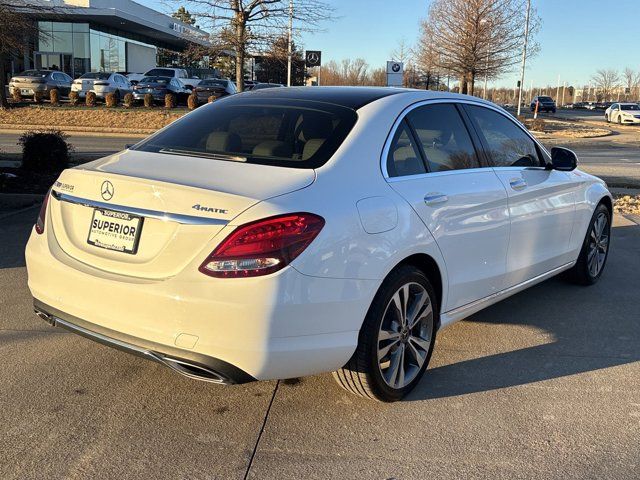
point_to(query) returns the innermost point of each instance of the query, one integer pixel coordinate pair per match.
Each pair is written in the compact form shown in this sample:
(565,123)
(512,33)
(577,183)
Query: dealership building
(79,36)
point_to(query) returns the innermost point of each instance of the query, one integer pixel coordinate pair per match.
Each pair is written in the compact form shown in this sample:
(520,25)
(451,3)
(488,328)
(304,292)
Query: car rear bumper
(282,325)
(189,364)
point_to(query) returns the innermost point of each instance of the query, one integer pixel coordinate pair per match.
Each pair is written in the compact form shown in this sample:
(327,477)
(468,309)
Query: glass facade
(78,48)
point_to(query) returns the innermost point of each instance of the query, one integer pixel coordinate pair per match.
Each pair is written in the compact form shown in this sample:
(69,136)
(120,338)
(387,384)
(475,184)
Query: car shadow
(14,232)
(581,329)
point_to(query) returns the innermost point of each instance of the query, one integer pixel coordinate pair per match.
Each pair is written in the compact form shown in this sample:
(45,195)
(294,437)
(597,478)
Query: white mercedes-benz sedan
(292,231)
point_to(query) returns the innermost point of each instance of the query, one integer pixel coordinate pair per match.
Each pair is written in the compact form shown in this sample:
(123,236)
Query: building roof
(127,16)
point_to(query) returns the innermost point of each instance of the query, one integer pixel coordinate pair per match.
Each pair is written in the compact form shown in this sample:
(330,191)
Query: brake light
(101,84)
(43,214)
(263,247)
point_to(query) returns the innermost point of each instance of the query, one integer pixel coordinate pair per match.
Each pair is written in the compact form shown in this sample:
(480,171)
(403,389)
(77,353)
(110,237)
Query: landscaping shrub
(45,151)
(170,100)
(74,98)
(111,100)
(90,99)
(128,100)
(16,95)
(211,99)
(148,100)
(54,96)
(192,101)
(38,97)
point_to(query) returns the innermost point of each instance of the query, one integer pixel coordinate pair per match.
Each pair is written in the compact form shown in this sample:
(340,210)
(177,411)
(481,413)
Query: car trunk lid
(183,202)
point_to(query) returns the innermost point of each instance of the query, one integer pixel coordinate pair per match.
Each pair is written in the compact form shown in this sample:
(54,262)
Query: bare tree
(245,24)
(472,38)
(16,29)
(606,81)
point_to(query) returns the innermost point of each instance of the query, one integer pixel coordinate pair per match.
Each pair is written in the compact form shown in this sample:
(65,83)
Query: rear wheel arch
(427,265)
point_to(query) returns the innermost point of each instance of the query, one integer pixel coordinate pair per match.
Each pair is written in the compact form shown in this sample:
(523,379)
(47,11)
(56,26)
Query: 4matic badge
(202,208)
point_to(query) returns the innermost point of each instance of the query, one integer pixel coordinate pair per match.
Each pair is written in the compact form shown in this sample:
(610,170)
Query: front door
(433,164)
(541,201)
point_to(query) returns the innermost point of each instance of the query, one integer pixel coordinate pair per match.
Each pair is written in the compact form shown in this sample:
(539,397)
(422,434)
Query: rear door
(541,201)
(433,163)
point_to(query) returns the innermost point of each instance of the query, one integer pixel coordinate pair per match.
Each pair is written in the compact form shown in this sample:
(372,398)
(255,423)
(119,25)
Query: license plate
(26,91)
(117,231)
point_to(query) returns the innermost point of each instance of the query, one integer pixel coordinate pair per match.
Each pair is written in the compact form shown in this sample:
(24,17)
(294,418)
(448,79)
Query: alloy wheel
(405,335)
(598,244)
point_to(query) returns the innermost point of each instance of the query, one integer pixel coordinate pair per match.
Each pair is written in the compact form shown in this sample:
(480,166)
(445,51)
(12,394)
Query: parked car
(178,73)
(158,87)
(590,105)
(289,232)
(249,84)
(628,113)
(546,104)
(31,81)
(216,87)
(580,105)
(260,86)
(102,83)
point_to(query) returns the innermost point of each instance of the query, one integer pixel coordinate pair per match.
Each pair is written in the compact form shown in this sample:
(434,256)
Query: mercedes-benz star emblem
(312,57)
(107,190)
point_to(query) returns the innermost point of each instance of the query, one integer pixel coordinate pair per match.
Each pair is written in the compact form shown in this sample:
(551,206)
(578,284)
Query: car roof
(352,97)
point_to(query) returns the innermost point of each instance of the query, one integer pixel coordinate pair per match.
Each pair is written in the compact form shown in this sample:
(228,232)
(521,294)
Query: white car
(623,113)
(102,83)
(292,231)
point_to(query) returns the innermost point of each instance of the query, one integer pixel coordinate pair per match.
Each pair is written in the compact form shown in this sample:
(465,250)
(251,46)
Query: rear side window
(508,145)
(289,133)
(444,138)
(404,157)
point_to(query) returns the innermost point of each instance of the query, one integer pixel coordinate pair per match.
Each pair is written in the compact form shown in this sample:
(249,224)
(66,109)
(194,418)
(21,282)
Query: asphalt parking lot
(543,385)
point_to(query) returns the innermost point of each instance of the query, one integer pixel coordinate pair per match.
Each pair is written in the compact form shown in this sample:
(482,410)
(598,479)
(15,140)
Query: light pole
(289,43)
(524,55)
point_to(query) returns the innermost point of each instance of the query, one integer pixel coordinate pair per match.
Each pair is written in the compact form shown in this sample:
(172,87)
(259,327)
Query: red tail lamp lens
(263,247)
(43,214)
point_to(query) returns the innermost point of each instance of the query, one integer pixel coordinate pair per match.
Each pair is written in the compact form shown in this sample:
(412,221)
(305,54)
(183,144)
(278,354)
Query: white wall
(140,58)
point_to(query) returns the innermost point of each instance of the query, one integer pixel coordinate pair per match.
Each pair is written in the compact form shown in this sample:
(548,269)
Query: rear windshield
(97,75)
(214,83)
(34,73)
(163,72)
(288,133)
(630,107)
(545,99)
(161,80)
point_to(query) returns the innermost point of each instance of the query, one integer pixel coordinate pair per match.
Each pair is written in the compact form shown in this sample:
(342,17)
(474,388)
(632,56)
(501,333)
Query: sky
(577,37)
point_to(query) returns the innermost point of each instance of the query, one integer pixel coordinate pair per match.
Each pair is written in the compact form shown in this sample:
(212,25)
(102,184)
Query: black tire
(619,119)
(581,273)
(362,375)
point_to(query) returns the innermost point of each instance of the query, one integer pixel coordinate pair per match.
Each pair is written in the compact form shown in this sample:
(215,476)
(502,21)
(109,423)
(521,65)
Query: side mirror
(563,159)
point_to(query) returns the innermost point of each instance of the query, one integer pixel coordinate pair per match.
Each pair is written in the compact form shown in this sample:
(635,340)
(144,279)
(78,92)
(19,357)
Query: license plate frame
(117,218)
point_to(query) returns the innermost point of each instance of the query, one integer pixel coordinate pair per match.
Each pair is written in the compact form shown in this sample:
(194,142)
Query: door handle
(518,183)
(435,198)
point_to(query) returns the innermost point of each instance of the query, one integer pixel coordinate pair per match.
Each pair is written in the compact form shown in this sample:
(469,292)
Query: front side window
(404,157)
(288,133)
(444,138)
(507,144)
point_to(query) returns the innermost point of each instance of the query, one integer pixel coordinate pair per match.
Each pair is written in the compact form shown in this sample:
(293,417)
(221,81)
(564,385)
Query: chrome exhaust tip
(46,317)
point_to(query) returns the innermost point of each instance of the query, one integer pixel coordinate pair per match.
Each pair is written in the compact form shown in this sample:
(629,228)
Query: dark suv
(545,103)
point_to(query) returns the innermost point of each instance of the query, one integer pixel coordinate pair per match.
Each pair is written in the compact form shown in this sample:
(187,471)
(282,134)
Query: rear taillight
(43,214)
(101,84)
(263,247)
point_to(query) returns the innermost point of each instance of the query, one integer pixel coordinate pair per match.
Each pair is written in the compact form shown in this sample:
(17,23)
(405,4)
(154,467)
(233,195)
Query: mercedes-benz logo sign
(395,67)
(312,57)
(106,190)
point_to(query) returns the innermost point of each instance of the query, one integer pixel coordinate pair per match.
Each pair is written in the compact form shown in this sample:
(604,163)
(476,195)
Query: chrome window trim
(142,212)
(453,100)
